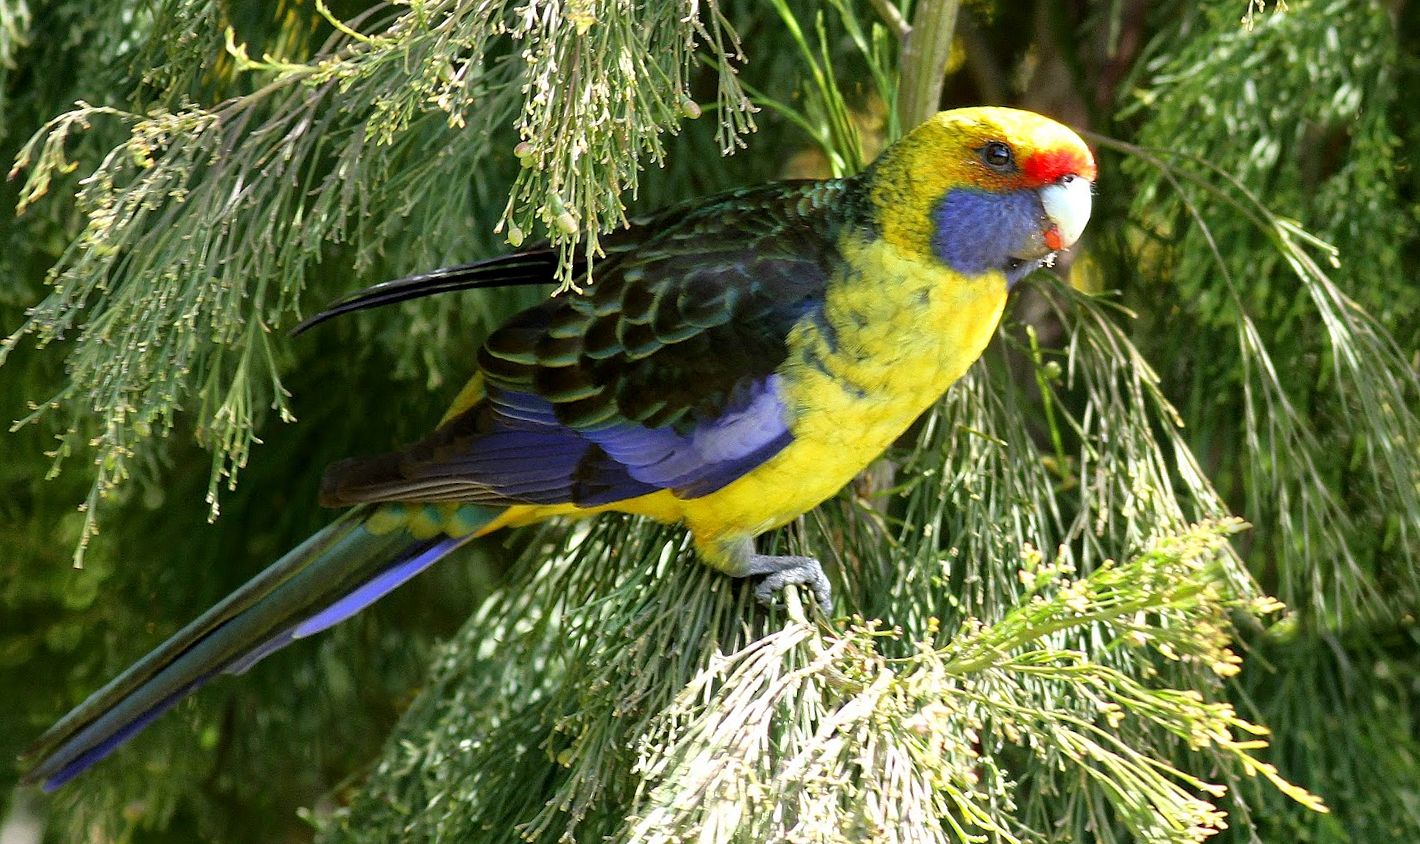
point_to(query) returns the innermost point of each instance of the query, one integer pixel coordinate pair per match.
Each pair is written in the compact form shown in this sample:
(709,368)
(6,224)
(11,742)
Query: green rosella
(734,362)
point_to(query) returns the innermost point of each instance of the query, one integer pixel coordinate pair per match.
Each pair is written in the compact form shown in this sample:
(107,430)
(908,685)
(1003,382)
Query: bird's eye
(997,156)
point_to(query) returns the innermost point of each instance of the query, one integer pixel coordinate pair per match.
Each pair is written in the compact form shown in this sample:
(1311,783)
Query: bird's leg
(777,572)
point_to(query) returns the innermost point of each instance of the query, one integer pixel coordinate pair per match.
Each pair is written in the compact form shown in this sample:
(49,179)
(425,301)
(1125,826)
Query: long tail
(334,574)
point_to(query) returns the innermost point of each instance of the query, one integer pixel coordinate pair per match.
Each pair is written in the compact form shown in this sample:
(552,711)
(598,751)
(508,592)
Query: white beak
(1067,204)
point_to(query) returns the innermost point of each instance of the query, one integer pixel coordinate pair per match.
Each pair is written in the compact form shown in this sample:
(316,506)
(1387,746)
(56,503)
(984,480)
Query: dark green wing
(660,376)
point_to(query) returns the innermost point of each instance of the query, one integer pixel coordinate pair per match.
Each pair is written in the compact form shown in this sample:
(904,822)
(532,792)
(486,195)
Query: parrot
(735,361)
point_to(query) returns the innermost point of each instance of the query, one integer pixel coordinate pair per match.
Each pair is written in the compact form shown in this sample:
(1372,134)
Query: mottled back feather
(659,376)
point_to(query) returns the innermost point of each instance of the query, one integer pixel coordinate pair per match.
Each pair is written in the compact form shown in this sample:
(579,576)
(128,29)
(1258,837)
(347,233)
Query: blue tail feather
(87,758)
(375,588)
(336,573)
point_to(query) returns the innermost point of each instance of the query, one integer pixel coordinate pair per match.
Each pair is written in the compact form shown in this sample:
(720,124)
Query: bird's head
(984,189)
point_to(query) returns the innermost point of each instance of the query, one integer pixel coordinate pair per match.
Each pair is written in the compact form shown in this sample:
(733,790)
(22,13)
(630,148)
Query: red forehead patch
(1045,167)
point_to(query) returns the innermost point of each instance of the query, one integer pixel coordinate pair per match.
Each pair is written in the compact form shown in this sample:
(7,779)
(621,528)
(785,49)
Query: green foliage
(1057,632)
(1306,406)
(634,703)
(200,225)
(826,115)
(1304,371)
(1363,692)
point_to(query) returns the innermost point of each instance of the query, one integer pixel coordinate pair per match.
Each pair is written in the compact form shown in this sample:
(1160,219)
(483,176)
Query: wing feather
(532,266)
(661,376)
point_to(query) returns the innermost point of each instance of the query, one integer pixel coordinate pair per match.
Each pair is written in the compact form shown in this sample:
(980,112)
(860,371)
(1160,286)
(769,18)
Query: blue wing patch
(712,453)
(513,449)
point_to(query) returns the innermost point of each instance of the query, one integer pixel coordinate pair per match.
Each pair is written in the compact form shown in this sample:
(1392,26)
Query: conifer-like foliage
(1057,625)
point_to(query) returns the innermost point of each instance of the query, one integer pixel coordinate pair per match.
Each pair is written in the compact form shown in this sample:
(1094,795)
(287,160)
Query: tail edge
(333,575)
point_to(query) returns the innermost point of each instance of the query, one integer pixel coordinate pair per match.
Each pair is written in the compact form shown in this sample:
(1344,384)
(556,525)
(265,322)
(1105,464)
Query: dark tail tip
(356,480)
(87,746)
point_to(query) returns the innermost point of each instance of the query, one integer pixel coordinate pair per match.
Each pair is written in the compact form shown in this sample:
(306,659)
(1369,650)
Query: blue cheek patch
(975,231)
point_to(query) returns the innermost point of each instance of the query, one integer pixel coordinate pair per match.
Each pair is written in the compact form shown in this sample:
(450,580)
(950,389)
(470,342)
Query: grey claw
(792,571)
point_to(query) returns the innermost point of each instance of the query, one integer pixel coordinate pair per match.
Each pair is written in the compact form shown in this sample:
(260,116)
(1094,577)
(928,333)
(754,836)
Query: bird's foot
(779,572)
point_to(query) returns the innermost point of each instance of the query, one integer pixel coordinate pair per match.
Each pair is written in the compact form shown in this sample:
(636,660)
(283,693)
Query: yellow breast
(897,332)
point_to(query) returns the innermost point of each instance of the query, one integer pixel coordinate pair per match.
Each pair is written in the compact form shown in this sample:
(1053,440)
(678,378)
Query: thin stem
(892,16)
(924,56)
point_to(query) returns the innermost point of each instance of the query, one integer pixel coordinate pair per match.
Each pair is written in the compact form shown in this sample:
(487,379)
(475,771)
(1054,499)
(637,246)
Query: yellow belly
(900,331)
